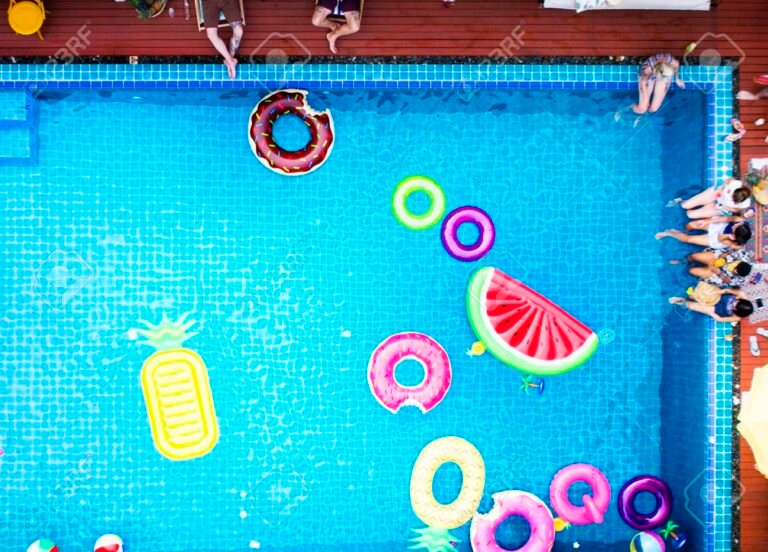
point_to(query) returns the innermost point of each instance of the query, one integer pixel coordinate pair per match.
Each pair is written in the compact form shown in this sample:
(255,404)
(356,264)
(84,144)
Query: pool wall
(700,476)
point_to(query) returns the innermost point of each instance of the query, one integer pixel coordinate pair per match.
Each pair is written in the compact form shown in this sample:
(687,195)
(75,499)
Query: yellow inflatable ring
(434,455)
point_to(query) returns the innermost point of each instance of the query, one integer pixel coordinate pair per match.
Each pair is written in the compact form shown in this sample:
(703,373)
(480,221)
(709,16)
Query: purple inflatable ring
(626,502)
(450,233)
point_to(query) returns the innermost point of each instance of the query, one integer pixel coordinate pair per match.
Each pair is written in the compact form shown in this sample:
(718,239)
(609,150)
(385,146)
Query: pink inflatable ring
(414,346)
(514,503)
(595,506)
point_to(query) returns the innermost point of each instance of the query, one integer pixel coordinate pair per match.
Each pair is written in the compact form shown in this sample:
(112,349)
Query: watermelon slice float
(524,329)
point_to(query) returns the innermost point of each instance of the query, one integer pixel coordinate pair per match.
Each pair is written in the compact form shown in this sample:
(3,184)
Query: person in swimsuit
(231,10)
(731,198)
(653,81)
(731,268)
(722,233)
(321,18)
(732,306)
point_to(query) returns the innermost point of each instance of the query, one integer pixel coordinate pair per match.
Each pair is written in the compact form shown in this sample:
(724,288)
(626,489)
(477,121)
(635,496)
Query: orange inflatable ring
(282,161)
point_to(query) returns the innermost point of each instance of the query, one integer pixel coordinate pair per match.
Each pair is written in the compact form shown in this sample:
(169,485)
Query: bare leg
(702,272)
(700,307)
(644,94)
(229,61)
(700,239)
(703,257)
(660,89)
(706,211)
(698,224)
(237,36)
(320,19)
(699,200)
(350,27)
(675,234)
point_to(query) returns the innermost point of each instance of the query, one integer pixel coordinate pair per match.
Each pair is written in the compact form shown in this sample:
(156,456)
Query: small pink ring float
(409,346)
(595,506)
(514,503)
(450,233)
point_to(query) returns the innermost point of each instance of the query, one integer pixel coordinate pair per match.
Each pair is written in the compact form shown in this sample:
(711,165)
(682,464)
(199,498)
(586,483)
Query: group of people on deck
(340,17)
(724,267)
(717,219)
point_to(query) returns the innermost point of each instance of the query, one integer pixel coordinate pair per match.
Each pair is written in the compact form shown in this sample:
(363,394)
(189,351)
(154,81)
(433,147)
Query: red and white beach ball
(108,543)
(43,545)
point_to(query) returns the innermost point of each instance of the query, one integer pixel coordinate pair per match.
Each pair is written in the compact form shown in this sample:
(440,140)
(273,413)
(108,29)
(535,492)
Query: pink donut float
(409,346)
(595,506)
(449,234)
(514,503)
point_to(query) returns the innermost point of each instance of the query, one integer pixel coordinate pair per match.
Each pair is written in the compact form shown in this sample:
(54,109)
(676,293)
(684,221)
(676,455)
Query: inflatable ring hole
(513,532)
(468,234)
(447,482)
(577,491)
(646,503)
(290,132)
(410,372)
(419,203)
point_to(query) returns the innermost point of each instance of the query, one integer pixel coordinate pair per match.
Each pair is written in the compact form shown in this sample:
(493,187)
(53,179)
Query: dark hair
(742,308)
(742,233)
(743,269)
(741,194)
(752,178)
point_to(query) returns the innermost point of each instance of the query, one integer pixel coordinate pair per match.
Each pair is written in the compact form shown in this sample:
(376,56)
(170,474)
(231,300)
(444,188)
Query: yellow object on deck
(26,17)
(753,418)
(179,404)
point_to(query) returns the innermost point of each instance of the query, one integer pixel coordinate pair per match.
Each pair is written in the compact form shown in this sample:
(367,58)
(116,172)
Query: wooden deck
(470,28)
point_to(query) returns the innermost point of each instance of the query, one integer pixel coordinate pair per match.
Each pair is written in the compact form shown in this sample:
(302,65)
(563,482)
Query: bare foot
(665,234)
(231,68)
(332,42)
(675,262)
(677,300)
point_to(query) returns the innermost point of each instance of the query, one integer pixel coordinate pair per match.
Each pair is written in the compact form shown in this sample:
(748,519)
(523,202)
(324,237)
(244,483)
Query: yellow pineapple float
(177,392)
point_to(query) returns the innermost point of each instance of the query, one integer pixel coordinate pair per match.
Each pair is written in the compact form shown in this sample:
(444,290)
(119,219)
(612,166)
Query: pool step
(18,129)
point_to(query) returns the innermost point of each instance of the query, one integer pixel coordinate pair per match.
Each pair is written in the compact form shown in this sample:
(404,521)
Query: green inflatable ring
(418,184)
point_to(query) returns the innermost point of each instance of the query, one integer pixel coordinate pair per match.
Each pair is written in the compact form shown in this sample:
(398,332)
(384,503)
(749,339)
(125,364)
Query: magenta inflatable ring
(450,233)
(626,502)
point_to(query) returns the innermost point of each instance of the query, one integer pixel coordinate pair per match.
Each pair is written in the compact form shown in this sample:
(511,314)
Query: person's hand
(680,83)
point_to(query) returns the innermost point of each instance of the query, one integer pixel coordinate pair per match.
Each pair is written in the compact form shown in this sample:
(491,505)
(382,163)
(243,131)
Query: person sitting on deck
(730,268)
(727,305)
(654,79)
(721,233)
(323,17)
(730,198)
(231,10)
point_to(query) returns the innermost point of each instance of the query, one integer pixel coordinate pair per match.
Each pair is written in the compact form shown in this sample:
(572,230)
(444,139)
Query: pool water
(149,202)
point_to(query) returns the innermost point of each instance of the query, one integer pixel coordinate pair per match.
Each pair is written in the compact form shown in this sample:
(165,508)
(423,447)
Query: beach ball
(108,543)
(647,542)
(43,545)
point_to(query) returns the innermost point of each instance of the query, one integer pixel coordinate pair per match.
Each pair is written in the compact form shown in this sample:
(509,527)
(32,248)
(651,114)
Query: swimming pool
(140,197)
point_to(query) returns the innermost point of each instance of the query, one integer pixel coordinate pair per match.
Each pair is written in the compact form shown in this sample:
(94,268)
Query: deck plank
(470,28)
